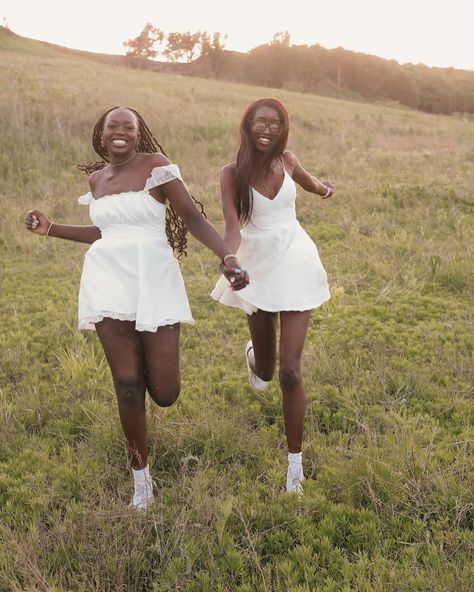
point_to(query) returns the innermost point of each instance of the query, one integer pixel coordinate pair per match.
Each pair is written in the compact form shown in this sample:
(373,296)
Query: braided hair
(176,231)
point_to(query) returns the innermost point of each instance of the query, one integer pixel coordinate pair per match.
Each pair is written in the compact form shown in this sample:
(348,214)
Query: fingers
(31,220)
(242,281)
(36,222)
(237,276)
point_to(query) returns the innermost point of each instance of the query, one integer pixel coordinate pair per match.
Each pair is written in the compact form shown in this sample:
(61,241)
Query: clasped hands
(234,273)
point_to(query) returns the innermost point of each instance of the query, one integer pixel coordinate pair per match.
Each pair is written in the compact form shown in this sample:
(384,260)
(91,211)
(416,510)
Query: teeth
(119,142)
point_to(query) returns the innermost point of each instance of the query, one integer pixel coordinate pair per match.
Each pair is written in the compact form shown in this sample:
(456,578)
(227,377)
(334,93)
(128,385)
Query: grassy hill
(388,502)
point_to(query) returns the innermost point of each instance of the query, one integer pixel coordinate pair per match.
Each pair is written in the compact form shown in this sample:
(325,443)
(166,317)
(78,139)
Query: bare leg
(294,326)
(123,351)
(262,325)
(161,358)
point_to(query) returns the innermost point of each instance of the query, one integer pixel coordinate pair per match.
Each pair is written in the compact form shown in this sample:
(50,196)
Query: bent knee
(266,375)
(164,396)
(290,377)
(129,391)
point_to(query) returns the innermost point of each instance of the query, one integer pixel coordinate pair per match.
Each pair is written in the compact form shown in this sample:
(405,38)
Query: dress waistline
(134,231)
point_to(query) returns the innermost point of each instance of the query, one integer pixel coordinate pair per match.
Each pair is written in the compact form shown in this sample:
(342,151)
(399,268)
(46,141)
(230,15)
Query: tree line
(174,47)
(310,68)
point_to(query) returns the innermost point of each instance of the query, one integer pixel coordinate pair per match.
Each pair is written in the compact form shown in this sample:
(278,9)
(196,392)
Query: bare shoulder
(290,161)
(155,159)
(229,167)
(228,171)
(289,158)
(94,178)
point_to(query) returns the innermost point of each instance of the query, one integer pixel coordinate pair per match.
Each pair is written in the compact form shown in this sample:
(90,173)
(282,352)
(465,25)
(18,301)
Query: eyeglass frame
(252,122)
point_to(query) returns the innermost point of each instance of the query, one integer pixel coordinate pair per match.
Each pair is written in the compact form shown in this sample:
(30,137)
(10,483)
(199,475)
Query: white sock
(295,458)
(141,474)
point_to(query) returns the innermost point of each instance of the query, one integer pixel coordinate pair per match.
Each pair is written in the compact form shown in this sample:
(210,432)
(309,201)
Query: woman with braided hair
(132,292)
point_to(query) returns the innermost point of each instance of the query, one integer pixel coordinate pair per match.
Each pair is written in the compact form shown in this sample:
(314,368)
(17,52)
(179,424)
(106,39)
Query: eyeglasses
(260,126)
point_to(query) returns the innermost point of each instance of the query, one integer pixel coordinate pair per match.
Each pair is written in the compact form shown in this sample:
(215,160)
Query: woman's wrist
(50,225)
(227,257)
(328,190)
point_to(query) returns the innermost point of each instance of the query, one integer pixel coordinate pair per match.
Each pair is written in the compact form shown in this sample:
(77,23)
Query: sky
(432,32)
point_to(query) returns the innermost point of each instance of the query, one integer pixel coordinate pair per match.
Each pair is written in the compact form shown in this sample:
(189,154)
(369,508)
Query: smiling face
(120,132)
(265,128)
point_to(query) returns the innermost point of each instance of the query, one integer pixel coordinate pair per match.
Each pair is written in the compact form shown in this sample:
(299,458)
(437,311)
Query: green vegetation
(388,504)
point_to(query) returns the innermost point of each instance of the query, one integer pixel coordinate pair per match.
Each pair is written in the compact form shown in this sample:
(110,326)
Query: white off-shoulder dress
(131,273)
(286,273)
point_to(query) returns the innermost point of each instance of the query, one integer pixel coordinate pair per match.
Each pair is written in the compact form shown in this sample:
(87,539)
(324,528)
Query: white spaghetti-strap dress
(286,273)
(131,273)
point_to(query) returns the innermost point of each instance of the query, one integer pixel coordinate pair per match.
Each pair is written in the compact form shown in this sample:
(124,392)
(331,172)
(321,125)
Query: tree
(182,46)
(281,38)
(208,46)
(142,48)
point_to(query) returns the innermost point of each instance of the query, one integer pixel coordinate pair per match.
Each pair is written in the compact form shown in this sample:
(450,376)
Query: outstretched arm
(178,195)
(38,223)
(306,180)
(232,235)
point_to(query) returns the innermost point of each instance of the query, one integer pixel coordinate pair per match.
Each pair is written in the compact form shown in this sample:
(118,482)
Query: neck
(261,165)
(122,159)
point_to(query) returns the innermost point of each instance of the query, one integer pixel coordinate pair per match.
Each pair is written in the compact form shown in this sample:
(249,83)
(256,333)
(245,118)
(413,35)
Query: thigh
(263,327)
(161,357)
(123,349)
(293,329)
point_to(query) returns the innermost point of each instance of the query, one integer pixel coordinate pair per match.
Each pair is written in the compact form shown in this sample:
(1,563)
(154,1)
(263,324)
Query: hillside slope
(388,363)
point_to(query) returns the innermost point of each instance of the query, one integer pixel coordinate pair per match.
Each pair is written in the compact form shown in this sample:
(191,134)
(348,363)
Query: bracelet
(49,228)
(329,191)
(229,256)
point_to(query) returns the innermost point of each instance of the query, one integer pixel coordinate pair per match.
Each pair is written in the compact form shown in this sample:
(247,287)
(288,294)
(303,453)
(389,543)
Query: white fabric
(286,273)
(161,175)
(131,273)
(295,458)
(141,474)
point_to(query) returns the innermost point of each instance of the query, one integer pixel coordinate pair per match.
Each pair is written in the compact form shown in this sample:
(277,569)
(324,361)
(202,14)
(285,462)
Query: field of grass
(388,452)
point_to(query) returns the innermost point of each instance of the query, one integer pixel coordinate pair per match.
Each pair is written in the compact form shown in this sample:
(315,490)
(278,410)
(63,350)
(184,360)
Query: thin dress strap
(280,160)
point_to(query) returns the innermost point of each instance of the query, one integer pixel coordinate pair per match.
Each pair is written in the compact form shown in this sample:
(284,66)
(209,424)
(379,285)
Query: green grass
(388,363)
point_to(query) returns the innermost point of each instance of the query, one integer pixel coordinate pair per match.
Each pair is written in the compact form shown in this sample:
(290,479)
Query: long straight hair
(246,154)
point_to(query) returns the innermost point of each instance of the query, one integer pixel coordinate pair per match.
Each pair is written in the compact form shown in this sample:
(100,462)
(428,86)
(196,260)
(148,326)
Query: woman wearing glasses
(288,279)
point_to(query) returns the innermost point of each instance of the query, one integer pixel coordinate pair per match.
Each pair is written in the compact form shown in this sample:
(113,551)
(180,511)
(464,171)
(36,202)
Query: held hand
(37,222)
(235,274)
(331,189)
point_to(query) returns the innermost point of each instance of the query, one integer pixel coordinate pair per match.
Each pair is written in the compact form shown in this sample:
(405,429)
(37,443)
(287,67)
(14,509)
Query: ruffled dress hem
(250,308)
(88,323)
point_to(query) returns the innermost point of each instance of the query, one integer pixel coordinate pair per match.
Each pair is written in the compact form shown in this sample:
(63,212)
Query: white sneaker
(255,381)
(294,476)
(142,496)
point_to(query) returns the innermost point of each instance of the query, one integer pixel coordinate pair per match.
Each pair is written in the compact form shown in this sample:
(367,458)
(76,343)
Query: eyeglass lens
(261,126)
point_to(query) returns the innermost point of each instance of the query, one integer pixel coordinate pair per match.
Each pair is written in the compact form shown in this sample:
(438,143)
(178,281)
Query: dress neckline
(168,172)
(278,192)
(117,194)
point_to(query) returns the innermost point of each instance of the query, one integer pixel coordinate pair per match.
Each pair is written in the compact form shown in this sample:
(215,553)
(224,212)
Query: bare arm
(38,223)
(178,195)
(306,180)
(232,235)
